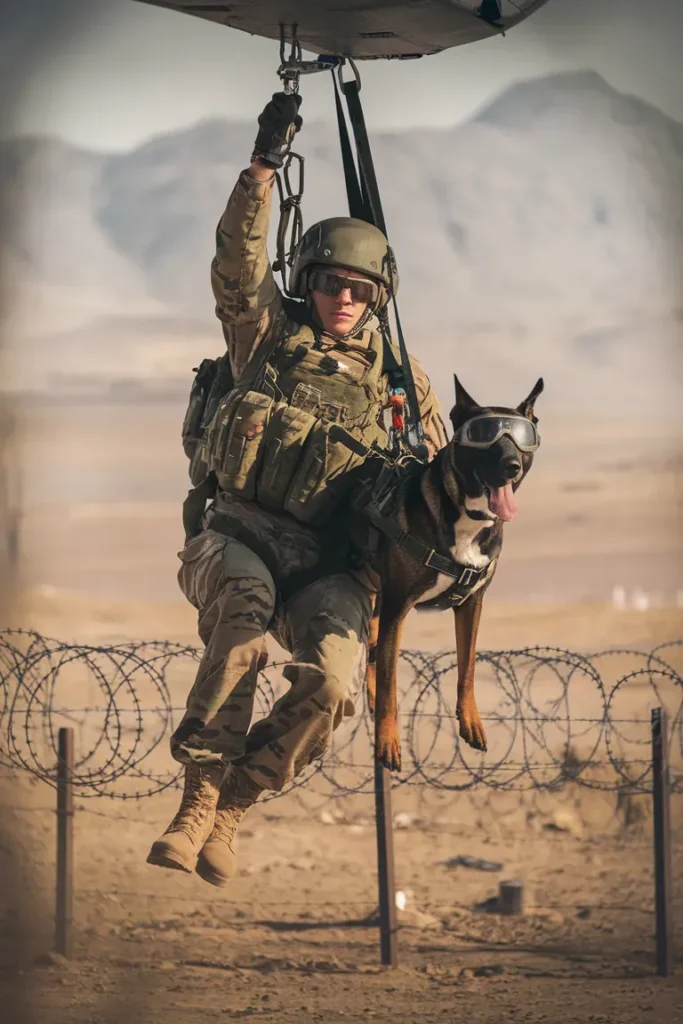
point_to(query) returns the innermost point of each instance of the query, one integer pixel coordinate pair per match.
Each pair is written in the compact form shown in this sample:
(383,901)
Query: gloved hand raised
(278,124)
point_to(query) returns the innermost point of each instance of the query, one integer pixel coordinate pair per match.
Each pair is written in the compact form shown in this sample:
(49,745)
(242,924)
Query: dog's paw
(471,728)
(388,752)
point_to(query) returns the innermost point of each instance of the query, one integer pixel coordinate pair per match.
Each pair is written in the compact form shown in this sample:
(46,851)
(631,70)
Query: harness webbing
(365,203)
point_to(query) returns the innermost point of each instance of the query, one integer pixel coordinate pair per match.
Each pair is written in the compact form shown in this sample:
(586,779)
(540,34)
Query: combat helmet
(346,242)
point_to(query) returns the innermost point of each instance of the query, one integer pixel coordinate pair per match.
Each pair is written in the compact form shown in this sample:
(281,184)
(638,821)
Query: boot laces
(238,794)
(225,824)
(199,800)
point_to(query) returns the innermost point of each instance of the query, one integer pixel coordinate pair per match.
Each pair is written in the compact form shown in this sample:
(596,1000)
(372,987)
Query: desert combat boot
(183,839)
(217,862)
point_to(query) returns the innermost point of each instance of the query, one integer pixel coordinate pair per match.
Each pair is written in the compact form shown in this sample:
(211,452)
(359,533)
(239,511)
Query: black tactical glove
(278,124)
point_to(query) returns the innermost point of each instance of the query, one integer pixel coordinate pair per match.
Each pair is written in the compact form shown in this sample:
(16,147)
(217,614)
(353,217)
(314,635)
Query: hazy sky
(110,73)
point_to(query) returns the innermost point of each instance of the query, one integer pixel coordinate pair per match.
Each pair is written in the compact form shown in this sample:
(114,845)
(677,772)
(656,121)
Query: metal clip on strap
(291,219)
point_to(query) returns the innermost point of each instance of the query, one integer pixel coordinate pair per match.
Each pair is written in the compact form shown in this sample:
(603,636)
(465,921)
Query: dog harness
(376,499)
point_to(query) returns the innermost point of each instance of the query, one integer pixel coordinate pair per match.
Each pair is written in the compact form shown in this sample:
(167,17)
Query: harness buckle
(428,560)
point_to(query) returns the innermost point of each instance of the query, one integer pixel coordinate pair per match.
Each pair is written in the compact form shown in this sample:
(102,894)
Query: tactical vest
(268,439)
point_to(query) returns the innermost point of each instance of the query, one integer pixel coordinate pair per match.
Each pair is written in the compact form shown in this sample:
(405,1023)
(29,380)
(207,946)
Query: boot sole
(167,859)
(210,876)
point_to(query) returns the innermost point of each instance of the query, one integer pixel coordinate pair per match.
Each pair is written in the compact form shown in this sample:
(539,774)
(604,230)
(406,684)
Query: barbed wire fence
(610,722)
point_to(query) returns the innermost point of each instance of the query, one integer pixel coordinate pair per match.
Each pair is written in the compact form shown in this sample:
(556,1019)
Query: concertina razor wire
(552,716)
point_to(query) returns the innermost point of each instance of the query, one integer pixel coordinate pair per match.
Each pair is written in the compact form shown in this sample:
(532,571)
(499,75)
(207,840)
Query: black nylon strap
(382,496)
(357,206)
(421,552)
(371,203)
(368,178)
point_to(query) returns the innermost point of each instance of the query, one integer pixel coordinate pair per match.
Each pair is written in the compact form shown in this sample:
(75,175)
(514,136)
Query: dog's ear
(461,397)
(464,404)
(526,408)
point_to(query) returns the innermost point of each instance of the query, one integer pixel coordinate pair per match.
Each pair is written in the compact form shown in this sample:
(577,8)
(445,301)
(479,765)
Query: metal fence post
(385,867)
(65,826)
(662,840)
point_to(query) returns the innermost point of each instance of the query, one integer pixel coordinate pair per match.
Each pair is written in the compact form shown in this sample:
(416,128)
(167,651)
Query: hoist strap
(368,179)
(357,207)
(365,203)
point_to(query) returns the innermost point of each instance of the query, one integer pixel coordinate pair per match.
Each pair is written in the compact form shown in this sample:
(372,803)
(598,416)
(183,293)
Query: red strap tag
(397,401)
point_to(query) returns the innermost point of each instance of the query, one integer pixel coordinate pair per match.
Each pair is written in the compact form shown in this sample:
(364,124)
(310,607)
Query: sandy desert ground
(295,938)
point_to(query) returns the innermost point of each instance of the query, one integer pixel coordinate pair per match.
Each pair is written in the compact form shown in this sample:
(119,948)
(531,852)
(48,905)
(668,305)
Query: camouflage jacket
(249,306)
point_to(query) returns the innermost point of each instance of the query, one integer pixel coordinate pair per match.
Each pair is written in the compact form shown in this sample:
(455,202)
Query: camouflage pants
(325,627)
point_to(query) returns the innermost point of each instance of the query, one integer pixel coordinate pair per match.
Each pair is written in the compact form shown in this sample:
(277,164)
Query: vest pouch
(286,435)
(235,442)
(213,379)
(199,393)
(218,429)
(322,479)
(223,383)
(198,465)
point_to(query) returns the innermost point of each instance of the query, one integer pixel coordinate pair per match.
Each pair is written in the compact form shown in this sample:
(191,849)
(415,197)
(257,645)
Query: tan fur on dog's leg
(467,618)
(387,733)
(371,670)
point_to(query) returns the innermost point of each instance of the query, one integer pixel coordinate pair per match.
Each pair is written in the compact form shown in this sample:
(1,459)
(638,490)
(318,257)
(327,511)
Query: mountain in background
(543,237)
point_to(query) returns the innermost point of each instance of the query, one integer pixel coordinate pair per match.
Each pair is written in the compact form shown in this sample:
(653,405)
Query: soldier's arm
(434,428)
(248,300)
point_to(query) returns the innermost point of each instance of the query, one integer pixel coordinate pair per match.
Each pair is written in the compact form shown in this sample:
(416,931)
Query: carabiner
(293,66)
(298,195)
(290,68)
(356,73)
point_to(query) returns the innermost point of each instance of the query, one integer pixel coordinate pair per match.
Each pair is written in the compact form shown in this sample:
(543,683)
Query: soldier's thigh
(210,560)
(328,626)
(335,610)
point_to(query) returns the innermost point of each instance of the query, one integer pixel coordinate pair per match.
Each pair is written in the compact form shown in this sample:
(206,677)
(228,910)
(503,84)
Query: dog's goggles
(329,283)
(483,432)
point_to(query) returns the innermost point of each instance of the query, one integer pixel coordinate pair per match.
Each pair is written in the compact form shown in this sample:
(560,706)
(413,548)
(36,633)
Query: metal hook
(354,67)
(292,67)
(289,69)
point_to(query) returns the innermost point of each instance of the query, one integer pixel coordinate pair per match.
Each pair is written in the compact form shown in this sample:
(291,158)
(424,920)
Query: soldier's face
(338,314)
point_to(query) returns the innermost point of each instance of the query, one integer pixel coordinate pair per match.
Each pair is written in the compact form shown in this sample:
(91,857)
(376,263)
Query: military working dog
(438,537)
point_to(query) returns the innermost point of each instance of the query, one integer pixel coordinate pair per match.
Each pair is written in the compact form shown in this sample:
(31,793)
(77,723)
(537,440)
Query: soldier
(264,558)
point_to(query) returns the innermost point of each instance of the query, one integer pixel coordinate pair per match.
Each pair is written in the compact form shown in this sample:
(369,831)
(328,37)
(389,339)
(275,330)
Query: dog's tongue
(503,503)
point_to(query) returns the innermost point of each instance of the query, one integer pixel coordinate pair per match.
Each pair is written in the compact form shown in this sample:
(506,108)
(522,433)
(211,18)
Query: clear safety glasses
(483,432)
(329,283)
